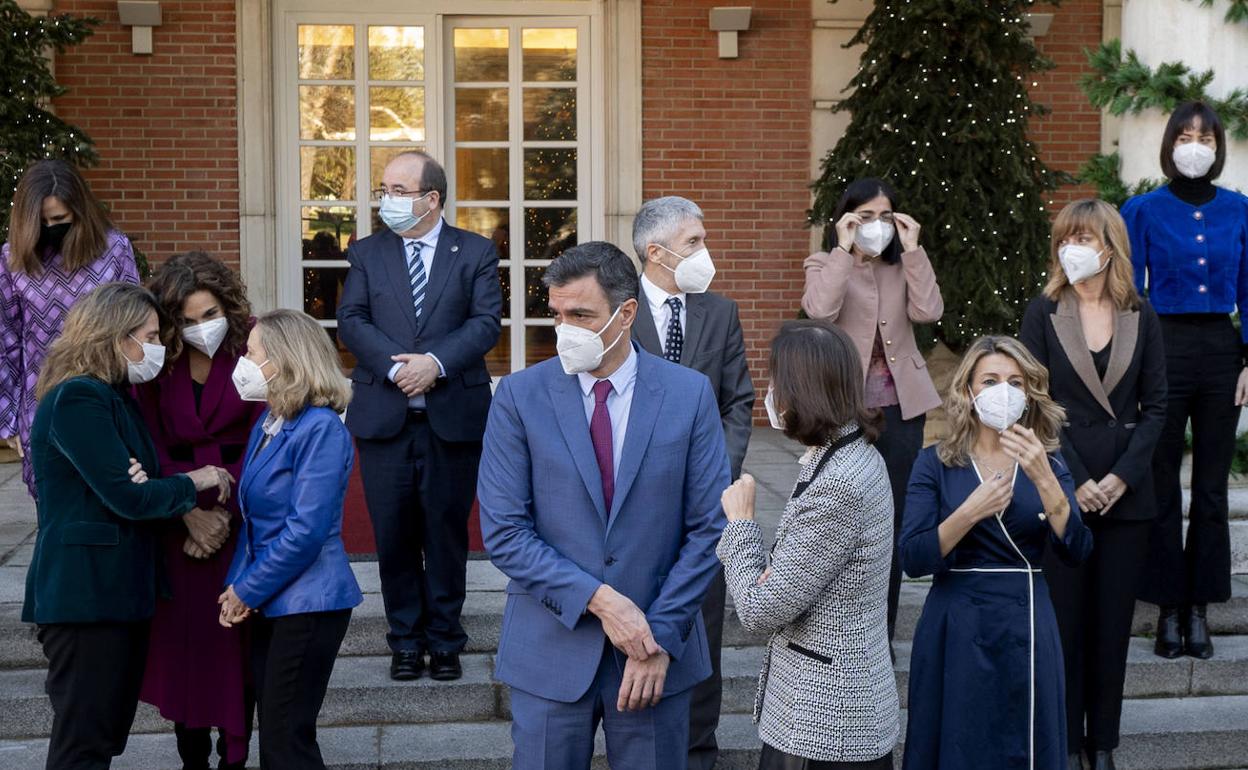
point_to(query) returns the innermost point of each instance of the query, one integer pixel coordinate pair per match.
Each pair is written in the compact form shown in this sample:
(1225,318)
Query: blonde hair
(90,342)
(308,369)
(1043,414)
(1098,218)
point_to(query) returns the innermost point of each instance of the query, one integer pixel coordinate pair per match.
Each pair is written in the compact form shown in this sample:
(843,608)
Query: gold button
(883,323)
(888,342)
(1200,239)
(1198,215)
(892,358)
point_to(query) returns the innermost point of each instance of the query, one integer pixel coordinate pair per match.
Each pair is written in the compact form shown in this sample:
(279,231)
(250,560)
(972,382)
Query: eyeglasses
(887,216)
(397,192)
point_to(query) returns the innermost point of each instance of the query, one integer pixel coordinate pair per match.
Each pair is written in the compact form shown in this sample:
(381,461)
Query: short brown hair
(308,368)
(87,238)
(1095,217)
(818,382)
(183,275)
(1185,116)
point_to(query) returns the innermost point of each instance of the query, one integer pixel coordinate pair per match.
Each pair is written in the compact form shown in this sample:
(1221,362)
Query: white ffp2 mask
(249,380)
(1000,406)
(146,368)
(1080,262)
(874,237)
(581,350)
(206,337)
(1193,160)
(694,273)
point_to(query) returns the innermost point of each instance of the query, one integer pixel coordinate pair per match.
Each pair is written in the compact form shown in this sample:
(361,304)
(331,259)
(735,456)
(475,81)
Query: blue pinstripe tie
(416,274)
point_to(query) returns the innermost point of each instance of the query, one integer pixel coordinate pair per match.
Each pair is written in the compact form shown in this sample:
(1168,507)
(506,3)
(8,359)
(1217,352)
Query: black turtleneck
(1195,192)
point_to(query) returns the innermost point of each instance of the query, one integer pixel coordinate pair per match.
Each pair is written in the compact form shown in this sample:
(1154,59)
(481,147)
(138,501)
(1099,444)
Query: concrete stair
(1183,713)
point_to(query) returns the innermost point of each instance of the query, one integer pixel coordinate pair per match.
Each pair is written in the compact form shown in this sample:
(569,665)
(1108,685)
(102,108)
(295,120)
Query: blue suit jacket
(459,323)
(290,557)
(545,525)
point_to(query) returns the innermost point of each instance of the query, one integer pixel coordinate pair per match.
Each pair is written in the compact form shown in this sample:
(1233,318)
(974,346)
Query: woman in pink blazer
(875,284)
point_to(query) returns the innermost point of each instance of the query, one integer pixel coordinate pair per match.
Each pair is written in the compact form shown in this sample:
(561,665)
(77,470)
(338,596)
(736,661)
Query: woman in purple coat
(195,668)
(60,247)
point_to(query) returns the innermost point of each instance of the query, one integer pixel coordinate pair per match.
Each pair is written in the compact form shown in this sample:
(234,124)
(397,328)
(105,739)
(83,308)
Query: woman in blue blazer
(290,571)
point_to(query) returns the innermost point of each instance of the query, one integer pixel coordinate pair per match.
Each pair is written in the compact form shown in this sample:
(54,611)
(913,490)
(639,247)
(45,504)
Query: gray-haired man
(677,318)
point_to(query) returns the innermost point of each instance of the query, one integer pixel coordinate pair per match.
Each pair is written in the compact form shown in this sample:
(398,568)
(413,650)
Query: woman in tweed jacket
(827,699)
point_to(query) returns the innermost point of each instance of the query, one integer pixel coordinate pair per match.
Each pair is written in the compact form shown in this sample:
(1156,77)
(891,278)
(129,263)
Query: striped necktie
(416,274)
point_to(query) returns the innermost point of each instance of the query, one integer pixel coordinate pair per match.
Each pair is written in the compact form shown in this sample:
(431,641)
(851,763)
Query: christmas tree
(940,108)
(26,85)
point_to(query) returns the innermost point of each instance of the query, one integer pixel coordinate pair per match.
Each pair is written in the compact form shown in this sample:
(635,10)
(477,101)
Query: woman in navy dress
(986,678)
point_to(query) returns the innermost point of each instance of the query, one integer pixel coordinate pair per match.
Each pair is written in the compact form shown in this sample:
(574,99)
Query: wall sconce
(140,16)
(728,22)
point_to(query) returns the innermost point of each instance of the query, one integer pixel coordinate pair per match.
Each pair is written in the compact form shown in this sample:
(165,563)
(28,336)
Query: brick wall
(734,135)
(164,125)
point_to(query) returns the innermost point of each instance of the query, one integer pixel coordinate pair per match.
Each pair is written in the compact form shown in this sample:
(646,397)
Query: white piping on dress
(1031,618)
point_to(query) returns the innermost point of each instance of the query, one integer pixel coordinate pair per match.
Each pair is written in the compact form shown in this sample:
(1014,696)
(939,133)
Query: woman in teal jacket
(92,583)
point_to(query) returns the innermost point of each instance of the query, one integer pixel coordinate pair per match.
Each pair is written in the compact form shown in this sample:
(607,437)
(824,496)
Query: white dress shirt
(430,241)
(661,312)
(619,402)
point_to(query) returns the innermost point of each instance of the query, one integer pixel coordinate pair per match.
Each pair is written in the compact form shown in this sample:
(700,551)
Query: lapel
(1069,331)
(1126,332)
(258,460)
(643,327)
(394,259)
(643,413)
(569,407)
(219,376)
(695,322)
(444,258)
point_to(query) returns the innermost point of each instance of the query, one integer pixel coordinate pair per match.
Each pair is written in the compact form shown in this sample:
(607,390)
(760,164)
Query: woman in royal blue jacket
(1190,240)
(290,569)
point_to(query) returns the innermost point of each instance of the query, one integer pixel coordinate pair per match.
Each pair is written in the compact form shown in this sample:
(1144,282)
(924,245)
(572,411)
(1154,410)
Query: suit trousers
(1094,604)
(95,672)
(292,657)
(707,698)
(899,444)
(549,735)
(1202,368)
(771,758)
(420,491)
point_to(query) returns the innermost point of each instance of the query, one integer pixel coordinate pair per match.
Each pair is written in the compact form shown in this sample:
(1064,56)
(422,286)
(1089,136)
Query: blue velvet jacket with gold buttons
(1195,258)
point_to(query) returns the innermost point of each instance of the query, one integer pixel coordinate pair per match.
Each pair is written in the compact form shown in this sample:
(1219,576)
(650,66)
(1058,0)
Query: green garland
(1128,85)
(1104,172)
(1238,12)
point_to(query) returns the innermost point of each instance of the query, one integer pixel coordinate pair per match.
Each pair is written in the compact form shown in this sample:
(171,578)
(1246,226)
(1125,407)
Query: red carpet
(357,530)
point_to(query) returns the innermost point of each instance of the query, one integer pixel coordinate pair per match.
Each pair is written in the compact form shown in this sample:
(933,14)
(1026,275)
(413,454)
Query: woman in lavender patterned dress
(60,247)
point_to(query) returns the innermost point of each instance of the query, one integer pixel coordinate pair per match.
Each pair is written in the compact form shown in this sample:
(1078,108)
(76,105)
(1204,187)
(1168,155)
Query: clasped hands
(208,529)
(627,628)
(233,609)
(418,373)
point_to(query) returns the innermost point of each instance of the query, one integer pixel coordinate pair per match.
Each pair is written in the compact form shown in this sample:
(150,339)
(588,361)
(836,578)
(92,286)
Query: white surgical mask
(249,380)
(581,350)
(774,417)
(874,237)
(1000,406)
(146,369)
(1193,160)
(397,213)
(694,273)
(1080,262)
(206,337)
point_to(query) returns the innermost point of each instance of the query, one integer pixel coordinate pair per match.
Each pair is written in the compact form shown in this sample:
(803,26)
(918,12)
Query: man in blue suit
(419,310)
(599,491)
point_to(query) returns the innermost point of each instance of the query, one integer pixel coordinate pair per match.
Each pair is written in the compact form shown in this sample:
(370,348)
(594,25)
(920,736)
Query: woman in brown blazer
(875,284)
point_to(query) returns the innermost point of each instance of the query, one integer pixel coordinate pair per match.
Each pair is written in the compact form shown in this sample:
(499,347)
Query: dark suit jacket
(96,552)
(1112,425)
(459,324)
(715,346)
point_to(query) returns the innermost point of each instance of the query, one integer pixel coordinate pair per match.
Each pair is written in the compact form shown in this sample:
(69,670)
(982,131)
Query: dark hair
(818,382)
(1184,117)
(857,193)
(88,236)
(615,272)
(432,175)
(183,275)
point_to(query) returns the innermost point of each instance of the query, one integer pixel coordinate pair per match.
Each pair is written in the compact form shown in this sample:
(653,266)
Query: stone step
(1161,734)
(362,693)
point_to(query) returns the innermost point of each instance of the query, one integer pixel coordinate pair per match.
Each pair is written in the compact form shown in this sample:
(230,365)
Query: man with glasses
(419,311)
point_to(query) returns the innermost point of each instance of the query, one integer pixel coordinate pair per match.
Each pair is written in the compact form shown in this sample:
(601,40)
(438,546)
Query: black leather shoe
(1199,643)
(1103,760)
(406,666)
(1169,636)
(444,666)
(1074,761)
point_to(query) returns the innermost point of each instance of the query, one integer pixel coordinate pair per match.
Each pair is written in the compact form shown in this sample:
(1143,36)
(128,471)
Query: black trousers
(1202,368)
(899,443)
(771,758)
(195,743)
(420,490)
(1094,604)
(95,672)
(292,657)
(708,695)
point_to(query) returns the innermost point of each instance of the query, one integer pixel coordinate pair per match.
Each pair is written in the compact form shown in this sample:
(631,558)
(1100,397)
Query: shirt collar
(657,298)
(430,238)
(621,379)
(272,424)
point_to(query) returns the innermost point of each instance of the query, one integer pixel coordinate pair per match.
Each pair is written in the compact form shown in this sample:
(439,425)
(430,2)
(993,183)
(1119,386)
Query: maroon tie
(600,434)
